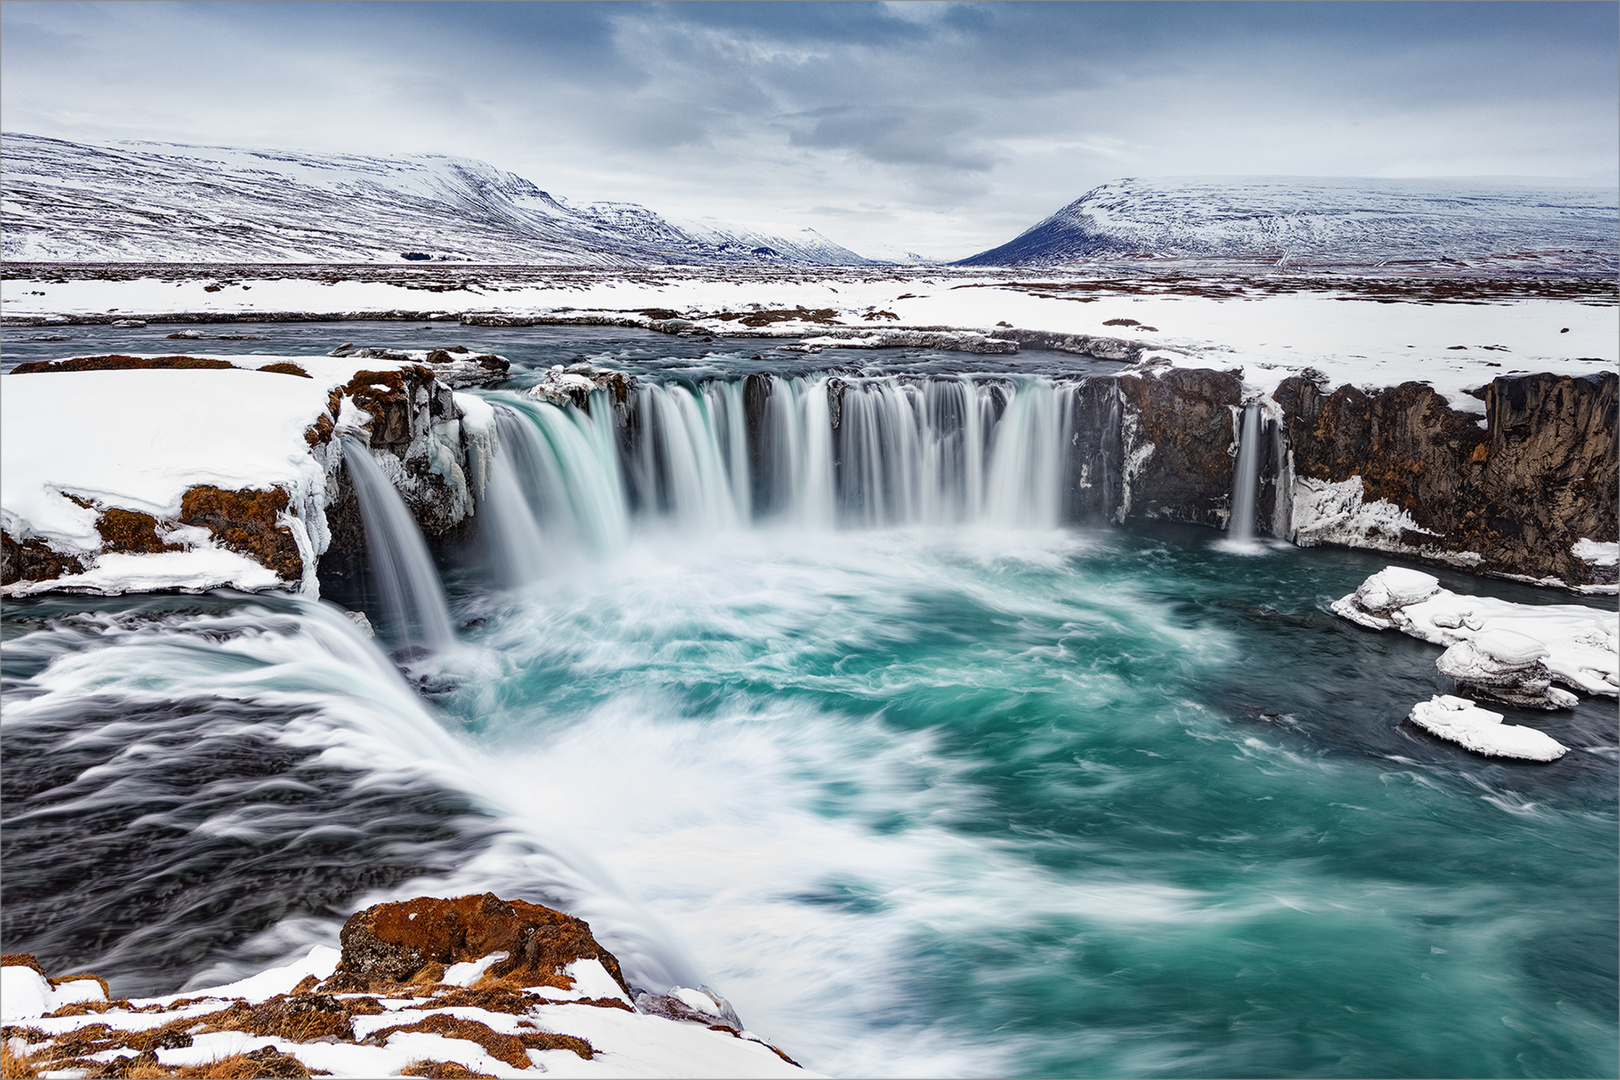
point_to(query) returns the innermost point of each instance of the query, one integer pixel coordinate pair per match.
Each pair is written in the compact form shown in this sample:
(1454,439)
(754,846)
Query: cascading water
(1246,480)
(999,800)
(861,452)
(412,597)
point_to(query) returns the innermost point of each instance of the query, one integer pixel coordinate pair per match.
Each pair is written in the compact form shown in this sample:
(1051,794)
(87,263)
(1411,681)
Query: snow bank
(623,1041)
(1460,721)
(1580,646)
(24,992)
(1218,322)
(97,467)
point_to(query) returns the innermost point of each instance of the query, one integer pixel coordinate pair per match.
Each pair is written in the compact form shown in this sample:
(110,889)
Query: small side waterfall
(412,598)
(1246,481)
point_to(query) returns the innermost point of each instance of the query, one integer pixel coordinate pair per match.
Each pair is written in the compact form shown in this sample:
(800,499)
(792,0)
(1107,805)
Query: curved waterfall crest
(821,451)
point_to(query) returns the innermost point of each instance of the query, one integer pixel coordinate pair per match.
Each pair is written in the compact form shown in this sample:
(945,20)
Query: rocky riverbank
(246,486)
(474,986)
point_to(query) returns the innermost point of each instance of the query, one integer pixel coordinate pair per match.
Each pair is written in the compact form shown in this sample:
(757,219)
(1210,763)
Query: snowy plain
(1347,336)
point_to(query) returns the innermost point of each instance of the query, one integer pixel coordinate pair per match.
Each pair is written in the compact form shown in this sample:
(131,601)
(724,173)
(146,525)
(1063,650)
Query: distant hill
(1327,222)
(164,202)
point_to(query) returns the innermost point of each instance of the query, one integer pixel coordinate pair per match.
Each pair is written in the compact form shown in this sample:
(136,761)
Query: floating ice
(1460,721)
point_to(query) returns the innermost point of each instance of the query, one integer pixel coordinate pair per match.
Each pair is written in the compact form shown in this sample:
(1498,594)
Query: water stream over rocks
(853,723)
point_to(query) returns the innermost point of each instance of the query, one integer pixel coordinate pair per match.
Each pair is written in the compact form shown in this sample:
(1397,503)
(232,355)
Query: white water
(404,573)
(828,452)
(1246,479)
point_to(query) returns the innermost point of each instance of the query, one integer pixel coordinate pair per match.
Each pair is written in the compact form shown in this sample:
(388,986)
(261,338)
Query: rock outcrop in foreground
(468,987)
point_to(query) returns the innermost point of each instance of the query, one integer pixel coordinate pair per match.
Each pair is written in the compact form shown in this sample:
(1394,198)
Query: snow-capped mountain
(165,202)
(1321,221)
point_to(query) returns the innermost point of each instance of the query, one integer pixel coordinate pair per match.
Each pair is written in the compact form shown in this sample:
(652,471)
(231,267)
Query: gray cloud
(964,122)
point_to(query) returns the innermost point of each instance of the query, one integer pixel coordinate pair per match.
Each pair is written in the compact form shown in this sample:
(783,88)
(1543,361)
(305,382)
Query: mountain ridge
(1353,222)
(151,201)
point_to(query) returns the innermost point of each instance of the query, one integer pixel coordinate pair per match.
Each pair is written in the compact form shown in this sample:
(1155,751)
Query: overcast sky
(942,128)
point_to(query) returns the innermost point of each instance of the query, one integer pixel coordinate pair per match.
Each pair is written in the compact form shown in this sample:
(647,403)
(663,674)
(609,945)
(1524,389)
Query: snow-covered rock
(457,367)
(1460,721)
(1505,665)
(132,474)
(1381,595)
(576,383)
(551,1001)
(1508,642)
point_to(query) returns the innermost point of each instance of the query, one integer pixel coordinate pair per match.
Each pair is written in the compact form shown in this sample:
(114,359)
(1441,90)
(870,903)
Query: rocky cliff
(1397,469)
(1529,490)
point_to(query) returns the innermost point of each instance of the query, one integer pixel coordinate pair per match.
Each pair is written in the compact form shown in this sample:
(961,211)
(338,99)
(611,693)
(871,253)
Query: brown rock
(34,560)
(246,522)
(389,944)
(1519,493)
(1186,413)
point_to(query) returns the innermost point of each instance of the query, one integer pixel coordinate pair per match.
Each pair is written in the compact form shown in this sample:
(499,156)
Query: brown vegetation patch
(282,367)
(22,959)
(120,362)
(388,944)
(245,521)
(294,1017)
(1121,322)
(34,560)
(132,531)
(501,999)
(765,318)
(443,1070)
(507,1048)
(15,1066)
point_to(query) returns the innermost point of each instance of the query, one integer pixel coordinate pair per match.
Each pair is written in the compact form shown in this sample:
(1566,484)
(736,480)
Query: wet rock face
(1177,444)
(1095,465)
(414,421)
(1518,494)
(415,940)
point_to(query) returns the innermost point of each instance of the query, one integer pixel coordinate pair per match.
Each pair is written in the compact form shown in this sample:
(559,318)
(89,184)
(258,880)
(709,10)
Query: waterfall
(510,523)
(1246,482)
(818,451)
(412,598)
(567,462)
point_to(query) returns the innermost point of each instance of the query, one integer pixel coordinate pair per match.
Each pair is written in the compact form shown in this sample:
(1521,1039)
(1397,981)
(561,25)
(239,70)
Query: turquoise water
(1062,804)
(948,800)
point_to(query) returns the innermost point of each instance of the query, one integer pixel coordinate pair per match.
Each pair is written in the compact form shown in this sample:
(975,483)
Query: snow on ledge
(75,443)
(1596,552)
(1337,513)
(1582,643)
(626,1042)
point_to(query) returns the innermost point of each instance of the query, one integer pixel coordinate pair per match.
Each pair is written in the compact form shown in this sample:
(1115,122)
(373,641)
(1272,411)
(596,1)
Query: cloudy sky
(943,128)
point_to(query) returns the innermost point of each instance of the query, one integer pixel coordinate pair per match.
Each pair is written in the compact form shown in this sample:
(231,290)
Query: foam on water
(837,719)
